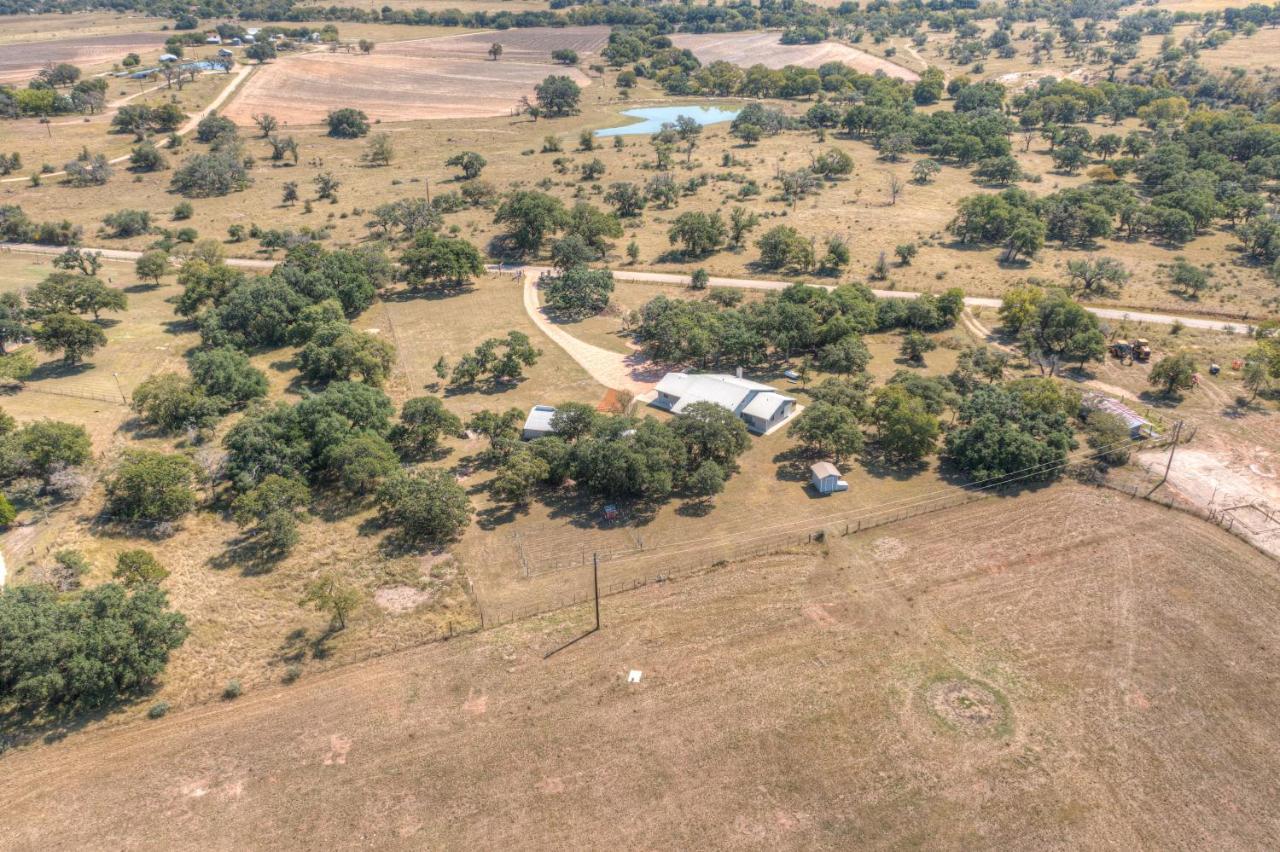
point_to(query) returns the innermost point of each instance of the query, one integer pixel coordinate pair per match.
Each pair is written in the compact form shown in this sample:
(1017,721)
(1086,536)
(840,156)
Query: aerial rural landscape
(548,424)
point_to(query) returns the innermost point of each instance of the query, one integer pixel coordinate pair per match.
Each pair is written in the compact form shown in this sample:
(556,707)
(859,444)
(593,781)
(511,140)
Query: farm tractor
(1128,351)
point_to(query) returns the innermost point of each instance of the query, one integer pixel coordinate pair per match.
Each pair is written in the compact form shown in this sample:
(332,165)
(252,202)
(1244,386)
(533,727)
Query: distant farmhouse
(538,423)
(760,406)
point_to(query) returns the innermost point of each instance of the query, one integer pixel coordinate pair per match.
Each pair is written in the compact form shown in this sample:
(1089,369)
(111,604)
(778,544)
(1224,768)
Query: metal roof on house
(539,419)
(765,405)
(724,390)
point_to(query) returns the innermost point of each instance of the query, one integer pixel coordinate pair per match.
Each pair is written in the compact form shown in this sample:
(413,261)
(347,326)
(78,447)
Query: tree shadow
(1159,399)
(695,508)
(57,370)
(250,555)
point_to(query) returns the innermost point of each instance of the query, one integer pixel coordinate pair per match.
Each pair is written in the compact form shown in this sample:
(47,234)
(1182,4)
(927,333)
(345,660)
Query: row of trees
(801,320)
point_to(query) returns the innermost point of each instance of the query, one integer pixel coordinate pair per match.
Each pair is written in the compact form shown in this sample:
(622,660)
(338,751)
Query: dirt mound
(968,706)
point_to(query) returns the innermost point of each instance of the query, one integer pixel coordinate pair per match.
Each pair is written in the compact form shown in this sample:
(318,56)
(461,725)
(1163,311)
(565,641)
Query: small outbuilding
(825,478)
(168,57)
(1139,426)
(538,423)
(226,53)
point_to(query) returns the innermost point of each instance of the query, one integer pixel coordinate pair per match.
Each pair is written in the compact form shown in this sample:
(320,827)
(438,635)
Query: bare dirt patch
(20,62)
(764,48)
(400,599)
(435,78)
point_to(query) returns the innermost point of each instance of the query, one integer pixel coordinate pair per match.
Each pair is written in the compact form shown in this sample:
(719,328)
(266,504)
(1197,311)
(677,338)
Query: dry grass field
(1072,669)
(751,48)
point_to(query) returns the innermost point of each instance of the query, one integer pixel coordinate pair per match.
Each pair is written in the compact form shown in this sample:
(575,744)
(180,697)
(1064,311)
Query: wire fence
(625,570)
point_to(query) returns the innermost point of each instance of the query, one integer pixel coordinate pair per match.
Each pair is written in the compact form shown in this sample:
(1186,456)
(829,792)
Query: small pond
(652,119)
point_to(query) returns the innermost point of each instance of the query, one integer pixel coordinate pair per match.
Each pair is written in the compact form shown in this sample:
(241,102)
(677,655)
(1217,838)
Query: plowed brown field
(764,48)
(20,62)
(450,77)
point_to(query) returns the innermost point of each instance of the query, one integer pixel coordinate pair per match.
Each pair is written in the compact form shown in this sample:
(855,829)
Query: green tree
(14,327)
(425,506)
(423,420)
(706,481)
(85,651)
(152,487)
(1174,373)
(827,429)
(137,567)
(578,292)
(699,234)
(331,596)
(711,432)
(7,513)
(153,265)
(558,96)
(347,123)
(338,352)
(627,199)
(905,430)
(783,246)
(915,345)
(41,448)
(517,475)
(530,216)
(1101,276)
(1062,330)
(361,462)
(74,337)
(1108,436)
(227,375)
(171,403)
(471,163)
(271,511)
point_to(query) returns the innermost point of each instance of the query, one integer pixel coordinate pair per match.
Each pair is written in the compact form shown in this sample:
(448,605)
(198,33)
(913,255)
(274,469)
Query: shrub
(347,123)
(158,710)
(135,567)
(232,690)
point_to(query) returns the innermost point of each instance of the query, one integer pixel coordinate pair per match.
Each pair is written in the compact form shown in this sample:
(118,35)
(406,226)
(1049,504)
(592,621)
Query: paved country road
(125,255)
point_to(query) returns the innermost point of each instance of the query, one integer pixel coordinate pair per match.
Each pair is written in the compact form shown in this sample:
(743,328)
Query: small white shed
(538,423)
(825,478)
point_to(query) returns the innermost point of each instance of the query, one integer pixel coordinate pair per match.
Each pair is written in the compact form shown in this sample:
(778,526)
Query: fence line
(113,398)
(705,557)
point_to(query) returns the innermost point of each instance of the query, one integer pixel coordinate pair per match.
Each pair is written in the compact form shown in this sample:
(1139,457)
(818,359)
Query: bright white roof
(765,405)
(539,419)
(725,390)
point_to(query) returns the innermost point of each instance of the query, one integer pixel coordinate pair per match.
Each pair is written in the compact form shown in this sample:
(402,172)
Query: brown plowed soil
(764,48)
(20,62)
(449,77)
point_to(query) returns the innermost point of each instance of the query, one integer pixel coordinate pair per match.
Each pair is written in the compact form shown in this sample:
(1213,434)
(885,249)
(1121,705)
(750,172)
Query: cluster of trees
(52,312)
(55,90)
(309,289)
(43,457)
(800,320)
(614,456)
(531,217)
(221,170)
(1051,327)
(342,437)
(499,359)
(71,653)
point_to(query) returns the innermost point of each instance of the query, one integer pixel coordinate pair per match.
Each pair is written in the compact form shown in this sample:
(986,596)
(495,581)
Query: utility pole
(1177,431)
(595,594)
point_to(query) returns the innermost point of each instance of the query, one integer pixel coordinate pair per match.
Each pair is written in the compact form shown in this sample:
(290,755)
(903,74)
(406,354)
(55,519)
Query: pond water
(652,119)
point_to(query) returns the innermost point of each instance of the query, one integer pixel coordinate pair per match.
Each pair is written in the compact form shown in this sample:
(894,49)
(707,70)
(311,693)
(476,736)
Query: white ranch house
(760,406)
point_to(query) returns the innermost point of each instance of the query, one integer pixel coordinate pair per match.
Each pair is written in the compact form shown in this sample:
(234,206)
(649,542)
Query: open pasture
(1072,669)
(764,48)
(450,77)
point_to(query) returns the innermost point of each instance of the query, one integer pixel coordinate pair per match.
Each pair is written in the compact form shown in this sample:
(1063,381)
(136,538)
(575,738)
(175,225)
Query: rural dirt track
(781,706)
(632,373)
(189,125)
